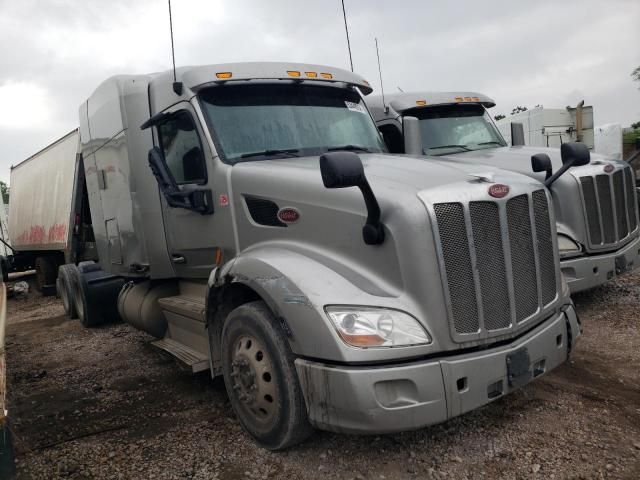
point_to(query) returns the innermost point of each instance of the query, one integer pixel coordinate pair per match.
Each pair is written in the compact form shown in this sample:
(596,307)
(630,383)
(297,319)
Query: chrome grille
(545,247)
(485,221)
(610,207)
(593,219)
(499,262)
(455,249)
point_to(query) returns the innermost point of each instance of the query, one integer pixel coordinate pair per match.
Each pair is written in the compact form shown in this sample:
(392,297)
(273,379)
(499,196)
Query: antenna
(346,28)
(401,89)
(177,86)
(384,105)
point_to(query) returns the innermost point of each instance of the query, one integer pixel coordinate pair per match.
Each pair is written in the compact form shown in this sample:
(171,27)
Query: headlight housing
(568,247)
(367,327)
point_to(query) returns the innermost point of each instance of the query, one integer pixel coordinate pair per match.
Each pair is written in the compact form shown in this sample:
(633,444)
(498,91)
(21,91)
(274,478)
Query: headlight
(567,247)
(377,327)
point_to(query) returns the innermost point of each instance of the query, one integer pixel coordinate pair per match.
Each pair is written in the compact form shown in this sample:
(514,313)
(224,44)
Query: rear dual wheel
(261,379)
(66,284)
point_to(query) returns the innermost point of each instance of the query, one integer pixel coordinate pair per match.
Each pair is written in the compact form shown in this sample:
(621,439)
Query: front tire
(261,379)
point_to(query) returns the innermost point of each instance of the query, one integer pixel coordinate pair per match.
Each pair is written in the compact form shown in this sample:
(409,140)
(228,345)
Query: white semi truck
(248,216)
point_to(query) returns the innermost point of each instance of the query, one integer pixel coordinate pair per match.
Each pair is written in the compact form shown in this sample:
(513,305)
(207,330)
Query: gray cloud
(553,53)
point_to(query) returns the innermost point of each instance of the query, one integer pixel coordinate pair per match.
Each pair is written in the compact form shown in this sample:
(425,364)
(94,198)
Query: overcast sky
(55,52)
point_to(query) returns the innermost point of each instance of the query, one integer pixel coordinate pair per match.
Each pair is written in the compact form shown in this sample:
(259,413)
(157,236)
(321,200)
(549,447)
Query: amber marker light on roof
(311,74)
(459,99)
(293,73)
(224,75)
(328,76)
(476,99)
(422,103)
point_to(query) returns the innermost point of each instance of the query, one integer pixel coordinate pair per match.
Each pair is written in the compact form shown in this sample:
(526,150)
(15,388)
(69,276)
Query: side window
(393,138)
(182,148)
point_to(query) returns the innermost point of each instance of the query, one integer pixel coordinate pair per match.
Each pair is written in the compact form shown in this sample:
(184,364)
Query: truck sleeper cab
(248,216)
(596,205)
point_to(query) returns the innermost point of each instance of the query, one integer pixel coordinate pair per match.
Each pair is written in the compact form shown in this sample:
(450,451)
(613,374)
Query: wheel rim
(252,378)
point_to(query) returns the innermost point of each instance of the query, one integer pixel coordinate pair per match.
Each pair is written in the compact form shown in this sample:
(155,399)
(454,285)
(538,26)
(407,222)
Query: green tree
(636,74)
(518,109)
(4,188)
(499,117)
(635,125)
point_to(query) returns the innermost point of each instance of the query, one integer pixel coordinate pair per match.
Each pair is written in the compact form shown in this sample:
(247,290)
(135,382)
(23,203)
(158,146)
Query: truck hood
(403,174)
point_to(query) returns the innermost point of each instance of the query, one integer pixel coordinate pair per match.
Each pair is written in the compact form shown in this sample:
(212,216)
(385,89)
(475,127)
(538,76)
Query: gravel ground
(103,403)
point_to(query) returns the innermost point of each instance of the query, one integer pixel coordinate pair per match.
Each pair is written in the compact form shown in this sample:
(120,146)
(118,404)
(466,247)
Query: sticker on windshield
(355,107)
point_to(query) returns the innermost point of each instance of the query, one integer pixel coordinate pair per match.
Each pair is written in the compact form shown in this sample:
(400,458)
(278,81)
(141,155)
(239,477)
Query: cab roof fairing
(196,78)
(401,102)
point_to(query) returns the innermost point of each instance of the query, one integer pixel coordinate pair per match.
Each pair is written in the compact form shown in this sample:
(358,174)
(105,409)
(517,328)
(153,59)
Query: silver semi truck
(596,205)
(248,216)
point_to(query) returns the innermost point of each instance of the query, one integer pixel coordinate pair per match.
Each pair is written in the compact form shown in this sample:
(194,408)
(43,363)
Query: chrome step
(188,356)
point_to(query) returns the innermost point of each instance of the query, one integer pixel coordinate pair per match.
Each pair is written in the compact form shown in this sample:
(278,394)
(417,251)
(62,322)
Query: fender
(296,288)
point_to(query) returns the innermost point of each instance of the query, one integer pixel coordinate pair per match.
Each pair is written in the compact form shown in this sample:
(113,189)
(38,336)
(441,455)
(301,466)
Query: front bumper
(406,397)
(583,273)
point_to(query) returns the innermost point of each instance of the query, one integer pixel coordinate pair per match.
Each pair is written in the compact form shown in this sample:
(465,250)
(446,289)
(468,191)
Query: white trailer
(44,222)
(551,127)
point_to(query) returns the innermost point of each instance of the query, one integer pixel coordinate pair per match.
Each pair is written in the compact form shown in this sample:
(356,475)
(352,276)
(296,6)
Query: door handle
(178,258)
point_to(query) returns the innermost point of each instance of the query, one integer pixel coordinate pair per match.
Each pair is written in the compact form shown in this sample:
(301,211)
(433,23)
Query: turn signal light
(224,75)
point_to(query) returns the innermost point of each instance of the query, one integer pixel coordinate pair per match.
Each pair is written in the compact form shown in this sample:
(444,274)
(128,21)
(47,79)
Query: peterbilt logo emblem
(288,215)
(499,190)
(608,168)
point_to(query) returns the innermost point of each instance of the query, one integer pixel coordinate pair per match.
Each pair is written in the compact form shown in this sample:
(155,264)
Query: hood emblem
(608,168)
(288,215)
(499,190)
(486,177)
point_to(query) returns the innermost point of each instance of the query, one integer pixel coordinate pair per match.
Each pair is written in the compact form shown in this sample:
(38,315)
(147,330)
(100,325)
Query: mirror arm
(373,230)
(550,179)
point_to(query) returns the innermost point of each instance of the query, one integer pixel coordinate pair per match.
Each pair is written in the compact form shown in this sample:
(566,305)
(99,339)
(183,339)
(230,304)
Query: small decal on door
(224,200)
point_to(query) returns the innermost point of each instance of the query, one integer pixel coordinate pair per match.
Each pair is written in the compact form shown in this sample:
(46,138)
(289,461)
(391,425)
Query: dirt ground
(104,403)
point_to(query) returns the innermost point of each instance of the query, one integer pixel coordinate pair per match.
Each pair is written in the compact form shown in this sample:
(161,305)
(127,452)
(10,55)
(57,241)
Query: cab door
(193,238)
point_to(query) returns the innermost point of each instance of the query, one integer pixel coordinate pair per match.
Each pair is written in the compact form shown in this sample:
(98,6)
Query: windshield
(456,128)
(253,122)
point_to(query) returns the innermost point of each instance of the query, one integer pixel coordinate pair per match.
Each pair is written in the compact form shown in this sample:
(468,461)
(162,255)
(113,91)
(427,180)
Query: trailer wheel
(66,284)
(261,379)
(45,273)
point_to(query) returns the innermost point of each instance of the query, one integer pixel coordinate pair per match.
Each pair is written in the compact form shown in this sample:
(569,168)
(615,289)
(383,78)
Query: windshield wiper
(464,147)
(349,147)
(491,143)
(291,152)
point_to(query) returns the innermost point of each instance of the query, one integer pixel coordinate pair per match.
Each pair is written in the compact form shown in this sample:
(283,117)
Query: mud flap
(574,327)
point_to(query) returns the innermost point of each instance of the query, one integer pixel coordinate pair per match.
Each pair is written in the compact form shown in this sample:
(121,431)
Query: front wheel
(261,379)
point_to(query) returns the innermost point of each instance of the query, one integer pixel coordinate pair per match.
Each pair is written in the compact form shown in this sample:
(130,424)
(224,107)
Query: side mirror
(540,162)
(412,136)
(197,200)
(344,169)
(517,134)
(574,154)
